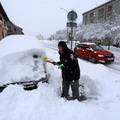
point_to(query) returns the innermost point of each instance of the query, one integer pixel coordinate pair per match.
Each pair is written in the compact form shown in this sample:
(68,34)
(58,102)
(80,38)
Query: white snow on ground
(44,103)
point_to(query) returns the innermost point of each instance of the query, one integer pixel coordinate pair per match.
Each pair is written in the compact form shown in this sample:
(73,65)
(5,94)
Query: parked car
(21,62)
(93,53)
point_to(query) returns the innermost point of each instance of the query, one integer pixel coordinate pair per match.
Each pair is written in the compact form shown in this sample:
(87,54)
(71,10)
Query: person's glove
(61,66)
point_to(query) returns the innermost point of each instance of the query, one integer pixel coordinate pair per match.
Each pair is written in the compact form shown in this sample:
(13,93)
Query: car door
(85,52)
(88,52)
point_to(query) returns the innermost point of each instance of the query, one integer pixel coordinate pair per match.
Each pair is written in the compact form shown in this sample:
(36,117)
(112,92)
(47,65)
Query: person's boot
(82,98)
(62,95)
(69,97)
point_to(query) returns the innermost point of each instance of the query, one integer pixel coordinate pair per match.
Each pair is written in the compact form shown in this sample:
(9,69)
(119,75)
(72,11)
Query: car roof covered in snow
(88,43)
(19,43)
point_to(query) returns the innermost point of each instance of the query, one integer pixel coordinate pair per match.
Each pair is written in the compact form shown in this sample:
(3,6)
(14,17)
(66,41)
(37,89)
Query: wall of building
(117,6)
(102,13)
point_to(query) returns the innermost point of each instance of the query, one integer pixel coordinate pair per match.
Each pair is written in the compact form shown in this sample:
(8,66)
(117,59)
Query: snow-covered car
(93,53)
(21,62)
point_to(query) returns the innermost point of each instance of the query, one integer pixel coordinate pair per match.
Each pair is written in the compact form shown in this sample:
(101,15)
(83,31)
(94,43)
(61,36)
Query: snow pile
(17,63)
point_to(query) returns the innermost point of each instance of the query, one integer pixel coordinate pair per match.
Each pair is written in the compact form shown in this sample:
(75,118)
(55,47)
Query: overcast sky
(45,16)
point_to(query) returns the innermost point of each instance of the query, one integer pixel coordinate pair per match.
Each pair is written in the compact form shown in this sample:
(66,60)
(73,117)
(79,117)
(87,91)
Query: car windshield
(97,48)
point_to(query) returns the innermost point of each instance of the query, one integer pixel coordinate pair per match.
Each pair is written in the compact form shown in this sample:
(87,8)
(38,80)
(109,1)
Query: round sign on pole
(72,16)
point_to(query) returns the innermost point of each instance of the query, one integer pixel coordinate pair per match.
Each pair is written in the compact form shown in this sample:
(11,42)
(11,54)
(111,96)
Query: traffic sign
(71,24)
(72,16)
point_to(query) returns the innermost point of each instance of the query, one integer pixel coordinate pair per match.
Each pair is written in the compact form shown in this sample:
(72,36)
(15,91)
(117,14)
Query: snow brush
(46,60)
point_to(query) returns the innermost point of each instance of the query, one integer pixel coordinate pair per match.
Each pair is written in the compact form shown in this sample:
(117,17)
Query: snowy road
(115,66)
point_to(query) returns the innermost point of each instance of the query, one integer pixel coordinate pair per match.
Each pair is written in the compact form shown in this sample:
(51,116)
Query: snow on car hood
(16,59)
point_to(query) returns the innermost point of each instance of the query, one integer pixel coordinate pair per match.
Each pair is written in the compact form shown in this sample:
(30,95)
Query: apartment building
(102,13)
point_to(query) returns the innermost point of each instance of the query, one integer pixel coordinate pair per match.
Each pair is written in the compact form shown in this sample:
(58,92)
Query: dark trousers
(74,87)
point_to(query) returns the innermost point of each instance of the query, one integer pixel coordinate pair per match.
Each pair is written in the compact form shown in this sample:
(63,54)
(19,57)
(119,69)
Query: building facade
(102,13)
(6,26)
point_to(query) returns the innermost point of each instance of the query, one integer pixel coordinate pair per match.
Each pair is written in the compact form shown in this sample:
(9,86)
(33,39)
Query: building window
(109,10)
(92,17)
(85,19)
(101,14)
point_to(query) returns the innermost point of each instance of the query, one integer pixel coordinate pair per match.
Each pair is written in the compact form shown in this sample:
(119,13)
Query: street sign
(71,24)
(72,16)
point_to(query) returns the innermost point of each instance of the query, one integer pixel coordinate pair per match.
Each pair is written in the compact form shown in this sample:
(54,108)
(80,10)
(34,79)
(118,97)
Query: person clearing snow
(70,72)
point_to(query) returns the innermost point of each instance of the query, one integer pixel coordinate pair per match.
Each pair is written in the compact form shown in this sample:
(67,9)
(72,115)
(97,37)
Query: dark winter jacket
(71,70)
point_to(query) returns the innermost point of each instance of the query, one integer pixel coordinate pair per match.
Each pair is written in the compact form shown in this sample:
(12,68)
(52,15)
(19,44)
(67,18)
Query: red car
(93,53)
